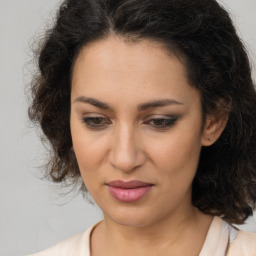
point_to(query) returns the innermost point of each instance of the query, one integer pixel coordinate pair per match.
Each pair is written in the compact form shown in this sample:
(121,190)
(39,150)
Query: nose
(126,153)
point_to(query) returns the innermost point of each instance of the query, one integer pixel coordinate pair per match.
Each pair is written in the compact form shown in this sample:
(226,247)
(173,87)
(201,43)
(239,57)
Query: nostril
(123,166)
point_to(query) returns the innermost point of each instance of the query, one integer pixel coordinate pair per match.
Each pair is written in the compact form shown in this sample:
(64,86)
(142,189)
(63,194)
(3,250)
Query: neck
(178,234)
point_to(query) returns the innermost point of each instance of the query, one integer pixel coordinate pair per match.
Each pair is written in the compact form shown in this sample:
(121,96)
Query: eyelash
(91,122)
(161,122)
(98,123)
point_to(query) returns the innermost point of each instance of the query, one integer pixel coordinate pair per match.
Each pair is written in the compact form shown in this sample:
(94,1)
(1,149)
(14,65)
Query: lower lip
(129,195)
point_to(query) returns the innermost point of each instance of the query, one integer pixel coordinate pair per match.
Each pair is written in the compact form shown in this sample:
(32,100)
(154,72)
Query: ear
(214,125)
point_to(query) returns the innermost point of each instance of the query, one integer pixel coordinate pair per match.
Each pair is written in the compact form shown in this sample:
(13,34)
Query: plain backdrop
(33,215)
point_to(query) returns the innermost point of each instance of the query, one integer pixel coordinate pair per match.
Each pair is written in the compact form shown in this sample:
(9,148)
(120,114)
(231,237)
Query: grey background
(33,215)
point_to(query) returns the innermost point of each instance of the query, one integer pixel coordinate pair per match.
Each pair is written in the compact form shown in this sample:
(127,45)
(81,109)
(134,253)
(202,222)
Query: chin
(132,222)
(131,217)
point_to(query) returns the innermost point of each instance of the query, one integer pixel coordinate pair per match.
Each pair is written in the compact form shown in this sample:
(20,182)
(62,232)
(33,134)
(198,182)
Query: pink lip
(128,191)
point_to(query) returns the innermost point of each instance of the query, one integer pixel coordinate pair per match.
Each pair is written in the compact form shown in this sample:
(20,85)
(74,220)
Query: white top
(221,240)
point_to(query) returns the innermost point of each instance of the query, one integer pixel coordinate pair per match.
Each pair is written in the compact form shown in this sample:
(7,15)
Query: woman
(152,105)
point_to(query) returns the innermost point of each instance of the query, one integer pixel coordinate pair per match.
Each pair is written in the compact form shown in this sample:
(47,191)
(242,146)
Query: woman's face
(136,127)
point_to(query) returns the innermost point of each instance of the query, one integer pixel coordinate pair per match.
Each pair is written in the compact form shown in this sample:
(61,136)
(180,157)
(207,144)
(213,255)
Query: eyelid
(157,116)
(98,121)
(92,114)
(90,121)
(165,118)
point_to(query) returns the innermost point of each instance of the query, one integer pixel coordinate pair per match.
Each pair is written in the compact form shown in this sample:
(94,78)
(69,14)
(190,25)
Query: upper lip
(128,184)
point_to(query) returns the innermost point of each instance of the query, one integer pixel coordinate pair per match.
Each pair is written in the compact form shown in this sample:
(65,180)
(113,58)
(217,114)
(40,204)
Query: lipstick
(129,191)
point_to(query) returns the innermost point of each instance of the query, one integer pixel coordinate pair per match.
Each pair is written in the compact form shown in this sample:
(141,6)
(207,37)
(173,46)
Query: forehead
(119,54)
(143,68)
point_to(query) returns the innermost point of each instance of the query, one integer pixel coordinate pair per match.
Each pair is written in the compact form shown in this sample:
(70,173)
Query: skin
(130,143)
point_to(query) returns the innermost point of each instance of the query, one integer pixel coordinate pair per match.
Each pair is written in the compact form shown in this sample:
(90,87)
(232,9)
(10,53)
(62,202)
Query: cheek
(88,158)
(88,149)
(89,153)
(176,166)
(178,156)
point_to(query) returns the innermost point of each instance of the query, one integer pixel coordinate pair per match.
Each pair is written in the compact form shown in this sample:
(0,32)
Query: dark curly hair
(202,34)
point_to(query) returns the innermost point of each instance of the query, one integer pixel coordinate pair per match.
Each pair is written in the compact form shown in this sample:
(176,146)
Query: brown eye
(161,123)
(96,122)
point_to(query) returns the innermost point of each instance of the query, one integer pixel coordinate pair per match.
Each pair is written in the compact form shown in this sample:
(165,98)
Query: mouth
(129,191)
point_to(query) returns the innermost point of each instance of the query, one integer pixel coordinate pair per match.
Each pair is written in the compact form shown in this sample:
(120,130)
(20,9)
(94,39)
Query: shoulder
(243,245)
(74,246)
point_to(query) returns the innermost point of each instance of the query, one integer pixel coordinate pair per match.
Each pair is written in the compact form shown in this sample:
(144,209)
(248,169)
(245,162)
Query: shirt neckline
(216,242)
(217,239)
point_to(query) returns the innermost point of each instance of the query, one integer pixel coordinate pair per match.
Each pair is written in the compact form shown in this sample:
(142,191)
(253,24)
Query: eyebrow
(141,107)
(158,103)
(92,101)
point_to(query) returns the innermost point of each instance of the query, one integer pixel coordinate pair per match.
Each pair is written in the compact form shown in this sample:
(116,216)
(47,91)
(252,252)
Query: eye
(96,122)
(161,122)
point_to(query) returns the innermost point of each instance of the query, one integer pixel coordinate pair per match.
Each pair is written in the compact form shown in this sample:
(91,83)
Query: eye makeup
(96,122)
